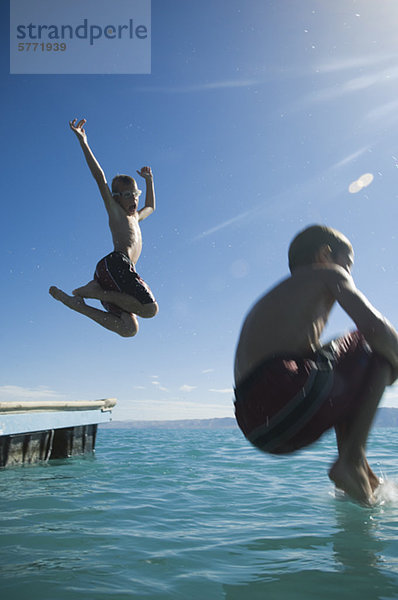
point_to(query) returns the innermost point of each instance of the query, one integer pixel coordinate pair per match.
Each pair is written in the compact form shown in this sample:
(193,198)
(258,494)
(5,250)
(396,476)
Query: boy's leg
(124,301)
(351,471)
(342,432)
(126,325)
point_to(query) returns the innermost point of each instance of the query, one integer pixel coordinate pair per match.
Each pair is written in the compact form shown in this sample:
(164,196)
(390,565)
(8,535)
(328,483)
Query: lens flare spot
(239,269)
(362,182)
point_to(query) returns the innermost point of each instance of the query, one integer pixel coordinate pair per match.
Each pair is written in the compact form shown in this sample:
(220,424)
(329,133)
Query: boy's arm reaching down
(92,163)
(149,207)
(377,330)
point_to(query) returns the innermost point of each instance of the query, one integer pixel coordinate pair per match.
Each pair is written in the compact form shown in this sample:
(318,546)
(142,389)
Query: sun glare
(362,182)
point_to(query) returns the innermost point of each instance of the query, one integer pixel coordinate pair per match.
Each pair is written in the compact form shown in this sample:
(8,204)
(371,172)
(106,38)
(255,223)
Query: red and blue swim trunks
(116,272)
(287,403)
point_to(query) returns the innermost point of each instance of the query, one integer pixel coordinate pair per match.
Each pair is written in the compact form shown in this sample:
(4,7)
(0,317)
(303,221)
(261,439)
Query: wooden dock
(33,432)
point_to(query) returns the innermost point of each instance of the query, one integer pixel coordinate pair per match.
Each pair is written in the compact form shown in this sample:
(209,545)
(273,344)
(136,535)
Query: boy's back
(288,320)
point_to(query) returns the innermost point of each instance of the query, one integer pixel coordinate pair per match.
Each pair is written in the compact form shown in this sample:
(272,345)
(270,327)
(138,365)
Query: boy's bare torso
(125,230)
(288,320)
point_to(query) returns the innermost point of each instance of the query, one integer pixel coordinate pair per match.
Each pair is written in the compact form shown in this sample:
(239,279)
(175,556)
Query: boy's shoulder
(331,273)
(313,279)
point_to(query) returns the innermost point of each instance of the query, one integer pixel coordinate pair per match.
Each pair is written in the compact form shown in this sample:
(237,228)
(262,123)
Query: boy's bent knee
(127,333)
(149,310)
(129,326)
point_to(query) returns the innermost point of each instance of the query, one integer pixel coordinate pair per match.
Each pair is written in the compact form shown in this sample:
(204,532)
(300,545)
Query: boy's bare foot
(126,325)
(91,290)
(74,302)
(353,480)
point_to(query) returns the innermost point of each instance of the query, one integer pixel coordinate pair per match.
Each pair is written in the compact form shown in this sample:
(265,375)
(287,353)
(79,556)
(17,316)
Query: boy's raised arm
(149,207)
(92,162)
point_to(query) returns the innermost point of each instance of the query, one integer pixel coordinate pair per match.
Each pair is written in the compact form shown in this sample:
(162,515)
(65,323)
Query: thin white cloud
(159,387)
(227,223)
(350,86)
(384,110)
(208,371)
(337,91)
(222,391)
(272,206)
(357,62)
(201,87)
(221,85)
(351,157)
(288,196)
(187,388)
(10,392)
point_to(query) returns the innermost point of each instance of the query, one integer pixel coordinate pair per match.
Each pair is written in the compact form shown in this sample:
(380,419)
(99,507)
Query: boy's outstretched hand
(78,129)
(146,173)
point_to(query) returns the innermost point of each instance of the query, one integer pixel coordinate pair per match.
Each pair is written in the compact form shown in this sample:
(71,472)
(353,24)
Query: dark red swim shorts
(116,272)
(288,403)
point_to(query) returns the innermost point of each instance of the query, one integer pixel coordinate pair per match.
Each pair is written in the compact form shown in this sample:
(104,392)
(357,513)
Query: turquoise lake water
(196,514)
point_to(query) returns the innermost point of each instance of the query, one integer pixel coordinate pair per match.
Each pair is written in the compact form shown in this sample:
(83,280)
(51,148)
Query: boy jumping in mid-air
(116,284)
(289,390)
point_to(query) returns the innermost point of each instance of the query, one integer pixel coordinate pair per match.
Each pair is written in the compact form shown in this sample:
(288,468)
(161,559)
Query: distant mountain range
(385,417)
(224,423)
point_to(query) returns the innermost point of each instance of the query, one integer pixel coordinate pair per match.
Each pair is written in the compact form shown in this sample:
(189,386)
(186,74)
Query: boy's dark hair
(305,245)
(125,179)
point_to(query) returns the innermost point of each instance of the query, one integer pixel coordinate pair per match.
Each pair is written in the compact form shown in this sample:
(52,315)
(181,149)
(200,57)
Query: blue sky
(256,118)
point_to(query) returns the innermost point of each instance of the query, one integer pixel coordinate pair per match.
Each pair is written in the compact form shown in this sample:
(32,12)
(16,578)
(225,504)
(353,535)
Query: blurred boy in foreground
(289,390)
